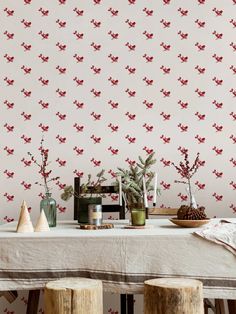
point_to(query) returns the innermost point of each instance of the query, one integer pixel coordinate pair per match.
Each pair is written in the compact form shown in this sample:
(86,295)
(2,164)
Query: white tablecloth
(122,258)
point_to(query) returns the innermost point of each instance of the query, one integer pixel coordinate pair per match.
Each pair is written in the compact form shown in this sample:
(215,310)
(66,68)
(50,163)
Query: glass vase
(48,204)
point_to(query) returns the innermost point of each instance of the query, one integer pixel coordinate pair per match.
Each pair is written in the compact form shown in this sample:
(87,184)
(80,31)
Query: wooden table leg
(219,306)
(33,301)
(206,307)
(130,303)
(232,306)
(123,303)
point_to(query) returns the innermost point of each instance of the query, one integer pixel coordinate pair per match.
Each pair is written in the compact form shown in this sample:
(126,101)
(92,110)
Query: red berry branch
(186,171)
(43,167)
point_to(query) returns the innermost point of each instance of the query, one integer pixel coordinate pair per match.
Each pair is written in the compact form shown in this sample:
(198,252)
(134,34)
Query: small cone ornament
(42,223)
(24,222)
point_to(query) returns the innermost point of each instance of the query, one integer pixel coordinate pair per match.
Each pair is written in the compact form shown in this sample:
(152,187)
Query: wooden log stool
(173,296)
(74,296)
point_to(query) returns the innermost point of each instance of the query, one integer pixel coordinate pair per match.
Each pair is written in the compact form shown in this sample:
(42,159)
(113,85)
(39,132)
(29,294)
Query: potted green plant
(136,182)
(90,193)
(190,211)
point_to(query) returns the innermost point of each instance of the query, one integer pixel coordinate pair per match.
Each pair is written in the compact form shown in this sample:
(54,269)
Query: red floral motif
(111,86)
(103,82)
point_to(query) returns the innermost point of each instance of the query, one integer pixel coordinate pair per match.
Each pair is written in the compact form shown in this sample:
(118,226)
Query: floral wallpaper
(106,81)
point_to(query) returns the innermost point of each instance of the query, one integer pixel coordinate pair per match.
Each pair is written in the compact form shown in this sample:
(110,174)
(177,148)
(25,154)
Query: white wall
(209,120)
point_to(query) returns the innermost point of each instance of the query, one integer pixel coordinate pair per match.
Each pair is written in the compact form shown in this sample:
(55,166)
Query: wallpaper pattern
(105,81)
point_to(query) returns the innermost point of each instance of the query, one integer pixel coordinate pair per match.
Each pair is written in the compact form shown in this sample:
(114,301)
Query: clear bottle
(48,204)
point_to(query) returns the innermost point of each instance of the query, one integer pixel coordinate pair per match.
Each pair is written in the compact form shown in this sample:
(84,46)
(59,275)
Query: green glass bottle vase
(48,204)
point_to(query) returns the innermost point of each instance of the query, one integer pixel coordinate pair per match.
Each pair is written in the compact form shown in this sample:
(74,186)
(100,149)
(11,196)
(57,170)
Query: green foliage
(93,188)
(132,180)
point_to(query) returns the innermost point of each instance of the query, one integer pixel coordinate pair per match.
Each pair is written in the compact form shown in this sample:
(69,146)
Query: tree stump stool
(74,296)
(173,296)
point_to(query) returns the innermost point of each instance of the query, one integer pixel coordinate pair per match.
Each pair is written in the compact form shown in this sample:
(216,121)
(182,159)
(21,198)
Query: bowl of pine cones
(189,217)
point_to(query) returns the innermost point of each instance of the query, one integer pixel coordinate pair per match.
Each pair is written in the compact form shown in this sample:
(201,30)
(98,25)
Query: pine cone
(188,213)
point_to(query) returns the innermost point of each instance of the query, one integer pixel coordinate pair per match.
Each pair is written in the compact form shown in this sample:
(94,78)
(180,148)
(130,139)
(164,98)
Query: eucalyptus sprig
(132,180)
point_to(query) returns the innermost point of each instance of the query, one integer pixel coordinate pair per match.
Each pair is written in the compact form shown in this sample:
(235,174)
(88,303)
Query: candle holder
(138,217)
(95,214)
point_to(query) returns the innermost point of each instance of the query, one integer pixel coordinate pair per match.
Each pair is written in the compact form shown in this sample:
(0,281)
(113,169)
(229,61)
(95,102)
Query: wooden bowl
(189,223)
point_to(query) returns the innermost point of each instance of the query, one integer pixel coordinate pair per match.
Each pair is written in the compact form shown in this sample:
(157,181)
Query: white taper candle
(145,193)
(155,190)
(120,190)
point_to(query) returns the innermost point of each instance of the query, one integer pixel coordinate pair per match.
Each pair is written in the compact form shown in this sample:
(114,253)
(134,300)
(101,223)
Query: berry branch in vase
(187,172)
(48,204)
(43,167)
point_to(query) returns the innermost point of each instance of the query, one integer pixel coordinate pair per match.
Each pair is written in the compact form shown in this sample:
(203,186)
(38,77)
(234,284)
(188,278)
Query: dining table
(122,257)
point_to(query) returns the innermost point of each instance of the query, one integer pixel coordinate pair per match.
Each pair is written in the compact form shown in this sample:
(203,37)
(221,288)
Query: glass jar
(82,211)
(138,216)
(48,204)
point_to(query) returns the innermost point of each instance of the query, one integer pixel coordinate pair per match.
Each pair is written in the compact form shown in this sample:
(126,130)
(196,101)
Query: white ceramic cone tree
(42,223)
(24,222)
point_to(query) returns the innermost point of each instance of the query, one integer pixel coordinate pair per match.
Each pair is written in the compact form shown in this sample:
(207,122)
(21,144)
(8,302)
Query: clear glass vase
(48,204)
